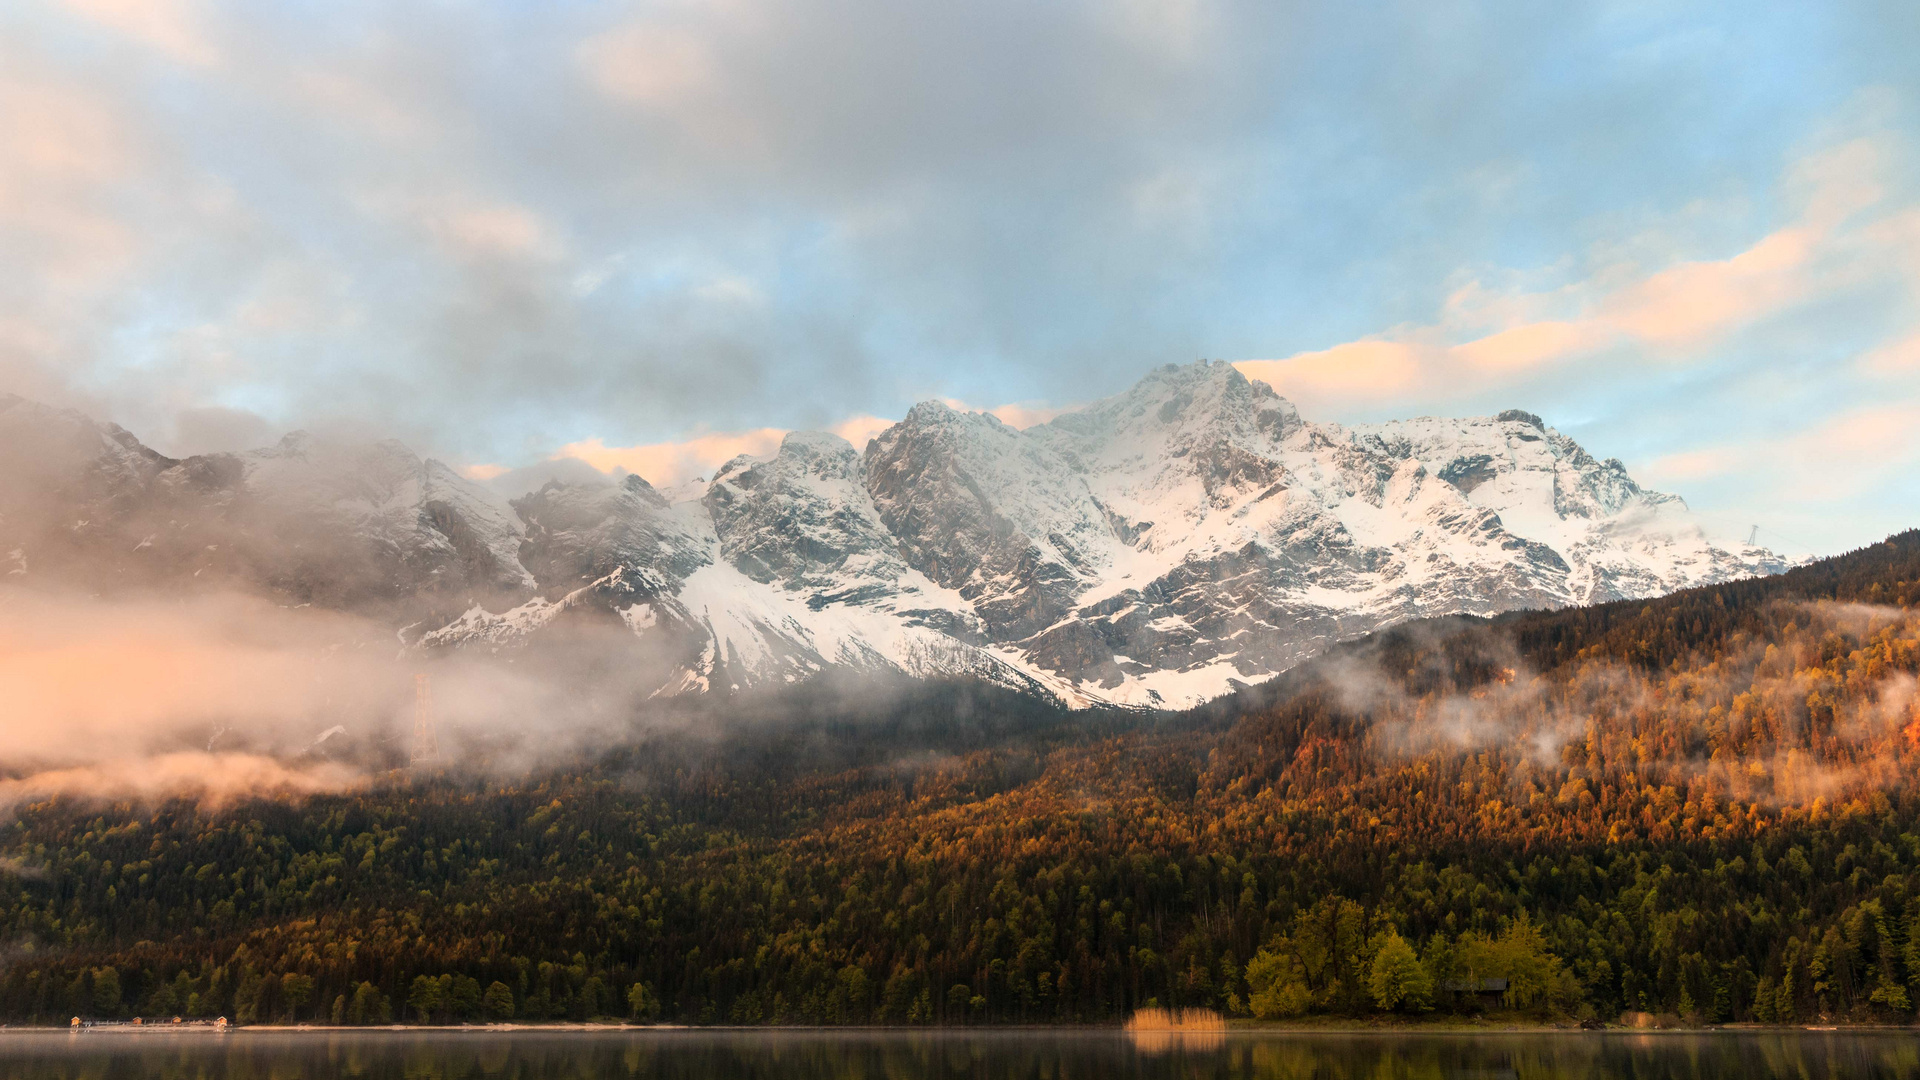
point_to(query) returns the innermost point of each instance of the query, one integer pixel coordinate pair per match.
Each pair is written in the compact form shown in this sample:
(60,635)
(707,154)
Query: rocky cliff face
(1154,548)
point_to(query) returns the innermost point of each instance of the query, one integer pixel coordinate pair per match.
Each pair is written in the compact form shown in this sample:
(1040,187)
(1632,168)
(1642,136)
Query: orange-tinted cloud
(666,464)
(1357,367)
(1898,357)
(860,429)
(1530,344)
(1692,300)
(1020,415)
(208,777)
(1484,336)
(88,680)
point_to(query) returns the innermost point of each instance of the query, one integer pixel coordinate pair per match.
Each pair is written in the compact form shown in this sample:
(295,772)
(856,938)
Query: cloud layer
(643,234)
(213,696)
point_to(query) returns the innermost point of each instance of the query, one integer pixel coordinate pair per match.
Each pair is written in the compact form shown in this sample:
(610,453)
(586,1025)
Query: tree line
(1698,805)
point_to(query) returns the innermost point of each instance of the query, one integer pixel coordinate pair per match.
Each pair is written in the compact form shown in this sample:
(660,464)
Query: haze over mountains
(1156,548)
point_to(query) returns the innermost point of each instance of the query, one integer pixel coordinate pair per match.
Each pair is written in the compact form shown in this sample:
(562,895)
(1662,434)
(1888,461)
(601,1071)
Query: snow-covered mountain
(1154,548)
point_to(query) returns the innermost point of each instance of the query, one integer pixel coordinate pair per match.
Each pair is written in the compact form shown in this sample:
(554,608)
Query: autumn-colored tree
(1398,981)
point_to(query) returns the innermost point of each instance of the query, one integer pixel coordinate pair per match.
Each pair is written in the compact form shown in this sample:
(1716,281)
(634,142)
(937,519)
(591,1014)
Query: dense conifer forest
(1703,806)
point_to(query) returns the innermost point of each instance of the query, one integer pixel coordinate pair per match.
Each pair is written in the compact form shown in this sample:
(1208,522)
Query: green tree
(161,1001)
(463,997)
(106,990)
(295,991)
(498,1001)
(425,998)
(641,1002)
(1398,979)
(369,1006)
(959,995)
(1276,983)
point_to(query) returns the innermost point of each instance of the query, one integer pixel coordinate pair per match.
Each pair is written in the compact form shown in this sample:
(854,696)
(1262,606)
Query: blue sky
(1688,235)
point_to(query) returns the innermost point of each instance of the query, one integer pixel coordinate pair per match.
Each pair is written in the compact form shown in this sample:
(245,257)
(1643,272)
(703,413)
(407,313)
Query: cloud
(216,696)
(1690,301)
(861,429)
(498,230)
(1529,344)
(1827,461)
(1864,442)
(1680,306)
(1898,357)
(213,779)
(1622,314)
(62,148)
(1356,368)
(1026,414)
(168,26)
(1015,414)
(495,230)
(22,869)
(91,679)
(670,464)
(648,64)
(214,428)
(1689,465)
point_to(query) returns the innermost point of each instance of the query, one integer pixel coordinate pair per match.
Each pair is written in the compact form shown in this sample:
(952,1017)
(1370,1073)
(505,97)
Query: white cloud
(173,27)
(648,64)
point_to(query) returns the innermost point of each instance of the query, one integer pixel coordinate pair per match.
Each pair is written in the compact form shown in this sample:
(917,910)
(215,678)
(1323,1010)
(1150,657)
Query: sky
(652,235)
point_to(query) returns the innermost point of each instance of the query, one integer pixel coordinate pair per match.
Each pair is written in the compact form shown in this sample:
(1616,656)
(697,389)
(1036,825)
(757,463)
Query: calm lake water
(995,1056)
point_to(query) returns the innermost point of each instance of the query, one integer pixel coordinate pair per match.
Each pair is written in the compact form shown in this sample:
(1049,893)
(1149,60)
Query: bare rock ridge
(1155,548)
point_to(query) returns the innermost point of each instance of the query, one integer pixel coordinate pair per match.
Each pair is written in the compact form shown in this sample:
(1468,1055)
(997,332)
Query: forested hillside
(1702,805)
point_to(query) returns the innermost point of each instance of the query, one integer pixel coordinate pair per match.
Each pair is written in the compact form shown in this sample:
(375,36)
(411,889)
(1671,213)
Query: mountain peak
(1156,547)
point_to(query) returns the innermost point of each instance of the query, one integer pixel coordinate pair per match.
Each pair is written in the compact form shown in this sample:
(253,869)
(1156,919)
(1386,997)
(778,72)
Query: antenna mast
(426,746)
(1753,535)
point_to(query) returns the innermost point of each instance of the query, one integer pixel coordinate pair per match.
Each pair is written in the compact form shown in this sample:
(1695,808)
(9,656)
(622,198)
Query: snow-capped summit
(803,520)
(1154,548)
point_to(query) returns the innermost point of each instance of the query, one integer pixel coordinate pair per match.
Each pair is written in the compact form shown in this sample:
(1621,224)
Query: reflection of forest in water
(994,1056)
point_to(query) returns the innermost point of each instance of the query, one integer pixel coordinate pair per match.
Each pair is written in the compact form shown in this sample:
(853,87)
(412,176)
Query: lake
(1012,1055)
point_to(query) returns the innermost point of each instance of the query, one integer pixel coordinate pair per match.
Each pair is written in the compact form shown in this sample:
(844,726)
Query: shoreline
(1238,1028)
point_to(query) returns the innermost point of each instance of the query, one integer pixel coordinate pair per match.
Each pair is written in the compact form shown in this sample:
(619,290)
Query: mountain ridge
(1155,548)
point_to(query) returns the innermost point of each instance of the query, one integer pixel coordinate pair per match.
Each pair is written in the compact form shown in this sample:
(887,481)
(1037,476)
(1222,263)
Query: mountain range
(1156,548)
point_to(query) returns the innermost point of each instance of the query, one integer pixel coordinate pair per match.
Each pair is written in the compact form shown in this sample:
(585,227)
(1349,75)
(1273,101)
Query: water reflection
(1166,1042)
(913,1056)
